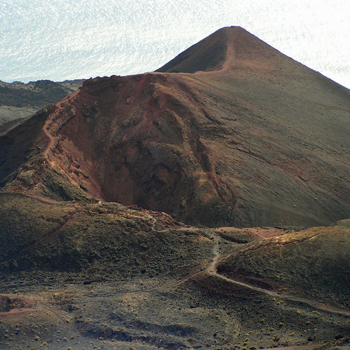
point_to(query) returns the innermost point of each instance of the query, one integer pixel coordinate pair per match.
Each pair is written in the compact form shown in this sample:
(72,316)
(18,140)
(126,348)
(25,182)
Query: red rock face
(138,142)
(254,139)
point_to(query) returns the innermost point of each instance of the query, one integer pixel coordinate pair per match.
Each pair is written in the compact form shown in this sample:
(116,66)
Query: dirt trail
(41,199)
(52,141)
(20,304)
(17,312)
(70,217)
(211,270)
(227,64)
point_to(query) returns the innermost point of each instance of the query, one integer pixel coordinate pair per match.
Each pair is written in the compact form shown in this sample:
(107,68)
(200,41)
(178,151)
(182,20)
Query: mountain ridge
(226,49)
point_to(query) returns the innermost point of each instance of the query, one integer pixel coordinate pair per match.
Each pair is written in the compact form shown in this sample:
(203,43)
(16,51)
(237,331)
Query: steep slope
(207,55)
(259,140)
(227,49)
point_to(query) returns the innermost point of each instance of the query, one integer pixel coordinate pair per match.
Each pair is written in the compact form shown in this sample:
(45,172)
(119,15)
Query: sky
(65,39)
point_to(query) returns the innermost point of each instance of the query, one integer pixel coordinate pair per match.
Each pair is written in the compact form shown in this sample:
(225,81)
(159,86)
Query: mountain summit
(207,55)
(221,50)
(229,132)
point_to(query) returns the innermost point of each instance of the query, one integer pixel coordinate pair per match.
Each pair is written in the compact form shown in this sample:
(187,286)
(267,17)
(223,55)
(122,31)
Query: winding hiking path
(211,270)
(41,199)
(52,140)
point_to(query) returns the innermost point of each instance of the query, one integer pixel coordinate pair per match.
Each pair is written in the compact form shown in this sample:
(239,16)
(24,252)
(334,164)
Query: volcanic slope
(248,137)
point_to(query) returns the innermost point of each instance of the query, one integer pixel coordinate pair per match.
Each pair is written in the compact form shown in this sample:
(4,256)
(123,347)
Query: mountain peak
(206,55)
(219,50)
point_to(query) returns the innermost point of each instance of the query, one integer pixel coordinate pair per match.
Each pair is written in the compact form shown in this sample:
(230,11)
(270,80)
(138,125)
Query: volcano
(230,132)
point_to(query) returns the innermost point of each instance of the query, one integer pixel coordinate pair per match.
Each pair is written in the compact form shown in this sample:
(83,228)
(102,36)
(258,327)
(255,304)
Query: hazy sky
(65,39)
